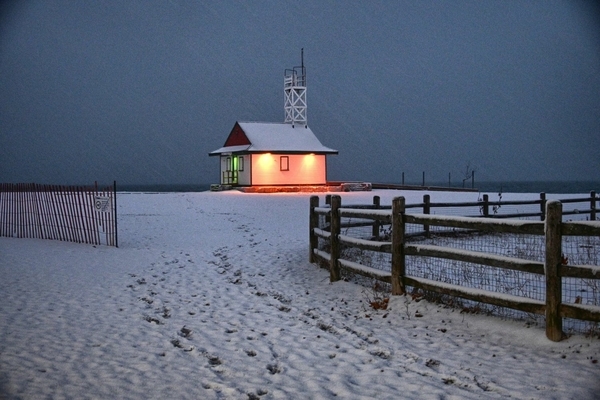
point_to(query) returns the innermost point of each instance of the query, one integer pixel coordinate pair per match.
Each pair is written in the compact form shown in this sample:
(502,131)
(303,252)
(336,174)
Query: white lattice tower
(294,88)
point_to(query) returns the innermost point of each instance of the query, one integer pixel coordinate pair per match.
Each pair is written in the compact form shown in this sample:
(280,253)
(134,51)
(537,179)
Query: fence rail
(67,213)
(496,209)
(326,224)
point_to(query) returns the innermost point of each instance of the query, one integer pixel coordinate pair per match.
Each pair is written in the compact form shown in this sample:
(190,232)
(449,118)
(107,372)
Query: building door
(230,175)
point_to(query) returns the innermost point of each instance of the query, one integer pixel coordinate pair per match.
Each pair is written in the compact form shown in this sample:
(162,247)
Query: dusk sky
(141,91)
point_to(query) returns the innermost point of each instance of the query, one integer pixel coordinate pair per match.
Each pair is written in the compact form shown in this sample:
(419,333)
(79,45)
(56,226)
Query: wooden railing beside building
(67,213)
(325,225)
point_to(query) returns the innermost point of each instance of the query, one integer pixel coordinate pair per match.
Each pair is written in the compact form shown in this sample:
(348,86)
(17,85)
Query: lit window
(284,163)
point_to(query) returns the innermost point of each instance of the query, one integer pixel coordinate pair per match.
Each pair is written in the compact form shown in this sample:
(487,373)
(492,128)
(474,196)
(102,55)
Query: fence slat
(4,197)
(72,214)
(498,299)
(77,216)
(69,215)
(580,311)
(20,212)
(49,216)
(64,217)
(321,233)
(36,230)
(56,213)
(476,257)
(323,255)
(80,216)
(3,212)
(485,224)
(40,211)
(363,270)
(580,271)
(363,244)
(95,220)
(581,228)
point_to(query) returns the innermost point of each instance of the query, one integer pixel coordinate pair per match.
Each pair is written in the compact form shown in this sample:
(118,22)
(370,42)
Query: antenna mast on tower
(294,89)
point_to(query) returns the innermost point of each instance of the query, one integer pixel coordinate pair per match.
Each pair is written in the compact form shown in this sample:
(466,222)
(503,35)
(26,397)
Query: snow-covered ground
(211,296)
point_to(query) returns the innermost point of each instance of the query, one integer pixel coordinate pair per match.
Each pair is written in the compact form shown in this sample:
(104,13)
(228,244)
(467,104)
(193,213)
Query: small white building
(276,154)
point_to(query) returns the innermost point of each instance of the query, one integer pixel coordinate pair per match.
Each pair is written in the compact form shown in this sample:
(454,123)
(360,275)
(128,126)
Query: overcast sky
(142,91)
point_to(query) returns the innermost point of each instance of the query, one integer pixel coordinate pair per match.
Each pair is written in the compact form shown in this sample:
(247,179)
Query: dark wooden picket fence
(67,213)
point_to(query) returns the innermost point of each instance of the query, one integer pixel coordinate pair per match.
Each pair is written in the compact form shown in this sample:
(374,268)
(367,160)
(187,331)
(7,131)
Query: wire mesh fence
(577,250)
(477,276)
(581,250)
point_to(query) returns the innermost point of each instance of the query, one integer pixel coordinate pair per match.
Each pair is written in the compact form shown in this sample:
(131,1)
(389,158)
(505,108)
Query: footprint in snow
(273,368)
(185,332)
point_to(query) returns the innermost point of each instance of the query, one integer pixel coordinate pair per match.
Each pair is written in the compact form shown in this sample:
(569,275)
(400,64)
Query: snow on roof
(277,137)
(231,149)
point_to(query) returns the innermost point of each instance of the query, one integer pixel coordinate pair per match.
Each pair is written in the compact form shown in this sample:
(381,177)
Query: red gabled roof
(237,137)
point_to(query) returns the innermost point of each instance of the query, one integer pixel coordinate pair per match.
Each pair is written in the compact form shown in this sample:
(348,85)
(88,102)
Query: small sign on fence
(102,204)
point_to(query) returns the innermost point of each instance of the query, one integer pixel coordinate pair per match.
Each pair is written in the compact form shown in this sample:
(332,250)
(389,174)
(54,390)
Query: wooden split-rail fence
(326,223)
(67,213)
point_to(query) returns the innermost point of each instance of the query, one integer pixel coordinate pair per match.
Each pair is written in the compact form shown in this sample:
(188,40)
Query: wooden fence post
(426,210)
(552,269)
(334,268)
(485,207)
(543,206)
(115,215)
(376,223)
(398,260)
(592,205)
(313,222)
